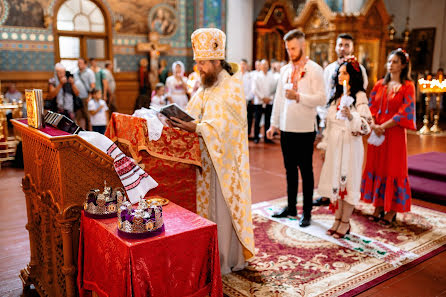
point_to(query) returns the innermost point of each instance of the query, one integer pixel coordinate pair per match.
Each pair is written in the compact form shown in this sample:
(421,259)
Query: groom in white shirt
(299,90)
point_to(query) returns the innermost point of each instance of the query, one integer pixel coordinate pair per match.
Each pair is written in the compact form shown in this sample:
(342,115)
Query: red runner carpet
(290,262)
(427,176)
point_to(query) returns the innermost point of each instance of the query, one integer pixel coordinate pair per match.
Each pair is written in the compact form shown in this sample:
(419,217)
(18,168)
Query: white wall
(353,5)
(422,14)
(239,32)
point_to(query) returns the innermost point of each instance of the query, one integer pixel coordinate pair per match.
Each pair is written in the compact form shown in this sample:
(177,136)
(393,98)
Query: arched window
(82,30)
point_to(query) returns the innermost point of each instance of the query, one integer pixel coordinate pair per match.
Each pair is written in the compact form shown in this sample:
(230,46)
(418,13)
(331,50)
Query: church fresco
(16,9)
(137,23)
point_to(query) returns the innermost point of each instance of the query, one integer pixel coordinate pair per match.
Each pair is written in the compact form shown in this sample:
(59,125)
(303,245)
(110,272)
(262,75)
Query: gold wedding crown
(105,204)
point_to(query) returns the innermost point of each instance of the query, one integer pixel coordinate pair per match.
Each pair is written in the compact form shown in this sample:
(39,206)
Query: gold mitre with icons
(208,44)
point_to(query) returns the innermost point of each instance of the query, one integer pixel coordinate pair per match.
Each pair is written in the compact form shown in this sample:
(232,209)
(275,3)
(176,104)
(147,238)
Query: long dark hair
(405,72)
(226,66)
(142,101)
(356,81)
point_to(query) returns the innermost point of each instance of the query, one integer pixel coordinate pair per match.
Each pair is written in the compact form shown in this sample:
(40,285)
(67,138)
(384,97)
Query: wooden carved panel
(316,22)
(373,19)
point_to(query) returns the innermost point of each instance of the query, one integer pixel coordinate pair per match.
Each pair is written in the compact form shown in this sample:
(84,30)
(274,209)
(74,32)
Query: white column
(239,30)
(442,44)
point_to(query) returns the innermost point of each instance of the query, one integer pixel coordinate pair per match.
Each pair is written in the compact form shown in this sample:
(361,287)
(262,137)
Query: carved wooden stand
(59,171)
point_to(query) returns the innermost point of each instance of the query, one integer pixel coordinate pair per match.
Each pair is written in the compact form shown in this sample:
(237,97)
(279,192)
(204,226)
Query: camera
(68,74)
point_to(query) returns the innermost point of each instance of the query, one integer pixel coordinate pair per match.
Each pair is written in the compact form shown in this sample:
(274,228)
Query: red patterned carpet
(290,262)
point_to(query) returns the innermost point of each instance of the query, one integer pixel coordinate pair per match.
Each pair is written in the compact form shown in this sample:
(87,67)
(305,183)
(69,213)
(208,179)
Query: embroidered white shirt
(291,116)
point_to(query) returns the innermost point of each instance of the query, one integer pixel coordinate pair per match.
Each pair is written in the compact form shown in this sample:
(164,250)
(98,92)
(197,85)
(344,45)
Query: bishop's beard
(209,79)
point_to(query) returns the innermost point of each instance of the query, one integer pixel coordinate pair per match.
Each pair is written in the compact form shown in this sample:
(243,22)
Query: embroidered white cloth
(375,139)
(345,101)
(136,181)
(154,125)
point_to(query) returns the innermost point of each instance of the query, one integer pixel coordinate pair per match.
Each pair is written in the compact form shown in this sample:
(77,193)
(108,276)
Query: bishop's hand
(187,126)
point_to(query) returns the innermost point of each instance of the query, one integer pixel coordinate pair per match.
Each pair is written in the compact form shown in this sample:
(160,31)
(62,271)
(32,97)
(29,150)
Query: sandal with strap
(376,216)
(385,222)
(339,235)
(331,231)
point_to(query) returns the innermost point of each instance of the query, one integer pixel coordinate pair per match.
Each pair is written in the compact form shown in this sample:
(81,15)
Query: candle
(345,87)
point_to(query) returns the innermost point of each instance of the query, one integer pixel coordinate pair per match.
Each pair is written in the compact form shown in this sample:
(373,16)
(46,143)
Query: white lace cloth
(345,101)
(136,181)
(375,139)
(154,124)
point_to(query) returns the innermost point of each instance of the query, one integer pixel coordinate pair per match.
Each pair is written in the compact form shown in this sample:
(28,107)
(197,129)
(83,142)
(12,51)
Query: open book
(173,110)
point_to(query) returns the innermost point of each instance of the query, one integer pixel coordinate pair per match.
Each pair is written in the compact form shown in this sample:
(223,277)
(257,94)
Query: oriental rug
(294,261)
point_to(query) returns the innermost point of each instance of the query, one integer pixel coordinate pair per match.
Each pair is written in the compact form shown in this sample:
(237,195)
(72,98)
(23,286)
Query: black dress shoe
(269,141)
(256,140)
(305,220)
(284,213)
(322,201)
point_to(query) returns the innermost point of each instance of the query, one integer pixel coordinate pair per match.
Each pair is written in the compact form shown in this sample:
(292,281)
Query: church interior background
(36,34)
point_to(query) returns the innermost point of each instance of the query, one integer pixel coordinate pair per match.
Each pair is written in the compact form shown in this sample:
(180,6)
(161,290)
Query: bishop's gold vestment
(220,112)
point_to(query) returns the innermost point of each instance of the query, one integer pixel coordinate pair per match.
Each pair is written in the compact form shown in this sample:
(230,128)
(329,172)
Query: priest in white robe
(223,185)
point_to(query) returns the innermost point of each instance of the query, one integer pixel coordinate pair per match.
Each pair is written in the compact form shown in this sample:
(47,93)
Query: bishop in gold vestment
(223,185)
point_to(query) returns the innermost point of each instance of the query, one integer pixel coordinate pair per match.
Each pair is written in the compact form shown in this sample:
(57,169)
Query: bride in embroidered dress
(348,119)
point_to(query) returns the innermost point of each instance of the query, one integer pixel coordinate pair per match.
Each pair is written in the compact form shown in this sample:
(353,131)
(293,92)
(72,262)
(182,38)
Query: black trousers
(250,114)
(99,129)
(297,151)
(259,110)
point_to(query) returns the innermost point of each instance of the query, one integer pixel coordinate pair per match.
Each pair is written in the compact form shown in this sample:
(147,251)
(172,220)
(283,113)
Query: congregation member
(142,101)
(176,85)
(101,82)
(85,81)
(13,96)
(347,120)
(62,90)
(385,180)
(143,77)
(247,80)
(111,87)
(256,67)
(275,69)
(159,99)
(299,90)
(193,82)
(344,48)
(223,186)
(263,90)
(163,71)
(97,107)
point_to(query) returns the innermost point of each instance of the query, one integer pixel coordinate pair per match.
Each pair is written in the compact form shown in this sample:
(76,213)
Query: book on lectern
(34,107)
(173,110)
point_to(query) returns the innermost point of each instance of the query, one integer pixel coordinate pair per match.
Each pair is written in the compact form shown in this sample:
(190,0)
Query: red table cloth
(171,160)
(181,261)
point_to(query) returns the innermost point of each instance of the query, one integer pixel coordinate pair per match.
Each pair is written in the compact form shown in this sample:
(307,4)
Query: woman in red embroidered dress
(392,104)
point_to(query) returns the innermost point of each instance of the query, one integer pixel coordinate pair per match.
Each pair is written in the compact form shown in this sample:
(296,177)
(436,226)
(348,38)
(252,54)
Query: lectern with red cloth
(181,261)
(172,160)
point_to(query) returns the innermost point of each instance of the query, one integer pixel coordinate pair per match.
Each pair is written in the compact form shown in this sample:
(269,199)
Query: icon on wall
(421,49)
(163,20)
